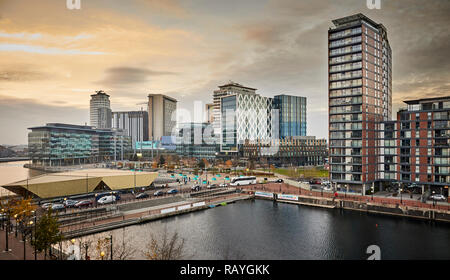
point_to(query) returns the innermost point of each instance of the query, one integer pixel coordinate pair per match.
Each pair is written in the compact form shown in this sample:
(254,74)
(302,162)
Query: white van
(107,199)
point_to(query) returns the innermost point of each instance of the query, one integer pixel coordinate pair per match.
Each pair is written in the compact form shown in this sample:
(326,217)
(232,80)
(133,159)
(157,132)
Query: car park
(223,185)
(107,199)
(158,193)
(142,195)
(196,188)
(172,191)
(68,203)
(212,186)
(83,203)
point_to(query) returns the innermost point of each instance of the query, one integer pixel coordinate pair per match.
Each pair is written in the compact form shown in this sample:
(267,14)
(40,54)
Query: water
(14,171)
(266,230)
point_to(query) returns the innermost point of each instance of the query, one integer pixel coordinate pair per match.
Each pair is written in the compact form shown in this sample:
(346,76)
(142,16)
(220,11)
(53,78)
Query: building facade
(415,148)
(227,89)
(58,144)
(196,140)
(100,110)
(292,115)
(289,151)
(360,98)
(134,123)
(161,116)
(245,117)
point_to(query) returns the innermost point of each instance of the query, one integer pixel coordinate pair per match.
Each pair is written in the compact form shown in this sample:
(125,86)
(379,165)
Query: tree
(201,164)
(161,160)
(165,247)
(47,233)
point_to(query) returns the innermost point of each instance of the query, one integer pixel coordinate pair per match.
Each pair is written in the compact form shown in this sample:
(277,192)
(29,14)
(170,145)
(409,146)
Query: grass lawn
(303,172)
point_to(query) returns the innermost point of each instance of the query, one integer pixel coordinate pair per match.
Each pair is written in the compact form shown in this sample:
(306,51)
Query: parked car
(46,205)
(326,183)
(142,195)
(438,197)
(158,193)
(83,203)
(172,191)
(212,186)
(57,206)
(279,181)
(196,188)
(223,185)
(107,199)
(70,203)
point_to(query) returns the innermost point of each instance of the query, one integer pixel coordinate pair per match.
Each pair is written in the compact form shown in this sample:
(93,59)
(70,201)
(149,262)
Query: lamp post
(30,223)
(102,254)
(401,200)
(111,240)
(372,189)
(15,218)
(73,248)
(434,201)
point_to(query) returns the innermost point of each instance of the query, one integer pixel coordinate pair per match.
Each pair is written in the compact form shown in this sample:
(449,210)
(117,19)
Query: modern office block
(134,123)
(161,116)
(292,115)
(196,140)
(289,151)
(66,144)
(245,117)
(225,90)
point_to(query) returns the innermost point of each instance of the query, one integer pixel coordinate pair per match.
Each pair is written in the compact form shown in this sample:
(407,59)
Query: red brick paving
(16,247)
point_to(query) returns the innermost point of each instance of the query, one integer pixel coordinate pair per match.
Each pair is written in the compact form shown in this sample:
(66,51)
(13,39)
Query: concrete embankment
(362,206)
(162,212)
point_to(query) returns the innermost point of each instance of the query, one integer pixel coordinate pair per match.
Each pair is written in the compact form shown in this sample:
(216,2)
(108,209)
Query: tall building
(134,123)
(227,89)
(360,98)
(292,115)
(415,148)
(161,116)
(100,110)
(245,116)
(58,144)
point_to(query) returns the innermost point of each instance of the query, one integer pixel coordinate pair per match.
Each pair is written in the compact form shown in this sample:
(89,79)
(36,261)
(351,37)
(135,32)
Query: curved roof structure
(80,181)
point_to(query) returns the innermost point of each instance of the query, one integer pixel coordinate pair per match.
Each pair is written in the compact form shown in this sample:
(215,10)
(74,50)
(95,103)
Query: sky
(52,58)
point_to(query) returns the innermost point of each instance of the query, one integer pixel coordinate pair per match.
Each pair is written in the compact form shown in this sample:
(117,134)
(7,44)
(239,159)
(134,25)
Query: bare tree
(165,247)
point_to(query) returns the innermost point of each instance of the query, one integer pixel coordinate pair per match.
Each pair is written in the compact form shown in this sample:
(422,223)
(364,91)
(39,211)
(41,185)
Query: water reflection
(264,230)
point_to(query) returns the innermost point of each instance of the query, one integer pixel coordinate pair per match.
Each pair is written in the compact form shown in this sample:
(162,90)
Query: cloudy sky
(52,58)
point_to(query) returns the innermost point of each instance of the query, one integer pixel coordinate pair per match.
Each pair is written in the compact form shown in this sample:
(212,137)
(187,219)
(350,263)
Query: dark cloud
(117,76)
(29,113)
(20,76)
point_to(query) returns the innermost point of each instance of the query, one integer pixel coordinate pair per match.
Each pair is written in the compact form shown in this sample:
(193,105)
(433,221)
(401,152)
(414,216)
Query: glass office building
(58,144)
(292,115)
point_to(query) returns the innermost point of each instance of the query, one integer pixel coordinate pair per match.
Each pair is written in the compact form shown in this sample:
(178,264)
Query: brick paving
(16,248)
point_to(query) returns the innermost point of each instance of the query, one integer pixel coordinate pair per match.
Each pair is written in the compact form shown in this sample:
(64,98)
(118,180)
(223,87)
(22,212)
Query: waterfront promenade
(15,245)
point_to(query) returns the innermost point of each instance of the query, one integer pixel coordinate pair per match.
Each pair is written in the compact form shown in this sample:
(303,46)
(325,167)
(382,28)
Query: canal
(263,229)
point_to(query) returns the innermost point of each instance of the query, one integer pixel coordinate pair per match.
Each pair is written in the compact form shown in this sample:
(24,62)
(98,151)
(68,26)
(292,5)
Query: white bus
(242,181)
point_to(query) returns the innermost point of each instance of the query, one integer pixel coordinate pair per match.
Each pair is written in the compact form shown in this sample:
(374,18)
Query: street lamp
(372,188)
(401,201)
(30,223)
(102,254)
(434,201)
(15,218)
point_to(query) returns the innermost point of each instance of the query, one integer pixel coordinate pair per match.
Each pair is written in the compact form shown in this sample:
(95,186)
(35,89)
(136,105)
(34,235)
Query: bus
(242,181)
